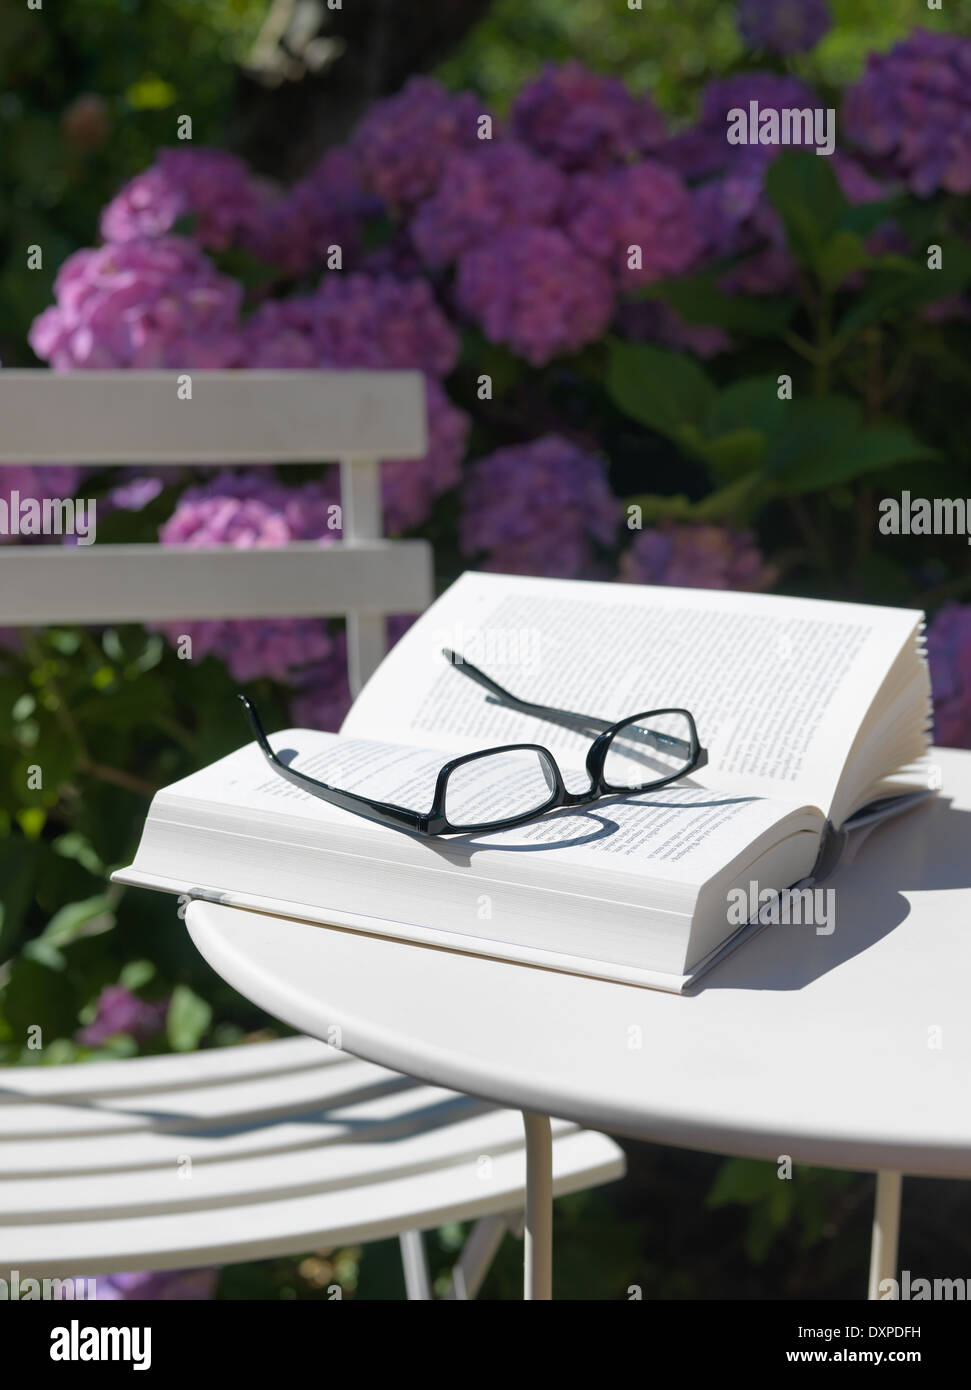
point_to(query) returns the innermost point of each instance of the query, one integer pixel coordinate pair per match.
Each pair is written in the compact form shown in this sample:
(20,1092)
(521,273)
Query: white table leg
(538,1235)
(417,1283)
(886,1229)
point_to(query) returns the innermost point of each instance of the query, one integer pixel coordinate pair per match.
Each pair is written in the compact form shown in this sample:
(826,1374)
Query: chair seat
(248,1152)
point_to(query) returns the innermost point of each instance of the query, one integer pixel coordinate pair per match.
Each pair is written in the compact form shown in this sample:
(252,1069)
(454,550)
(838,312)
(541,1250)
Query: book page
(680,835)
(778,686)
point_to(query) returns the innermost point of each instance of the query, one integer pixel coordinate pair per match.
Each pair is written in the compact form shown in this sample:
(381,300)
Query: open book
(811,712)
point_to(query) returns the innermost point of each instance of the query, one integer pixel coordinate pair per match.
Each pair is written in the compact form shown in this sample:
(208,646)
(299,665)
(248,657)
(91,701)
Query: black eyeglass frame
(435,822)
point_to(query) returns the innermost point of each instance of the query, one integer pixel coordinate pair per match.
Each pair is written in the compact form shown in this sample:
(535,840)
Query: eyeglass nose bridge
(597,757)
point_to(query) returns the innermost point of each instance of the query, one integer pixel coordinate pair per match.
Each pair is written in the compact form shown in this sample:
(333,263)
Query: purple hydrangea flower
(354,320)
(910,112)
(502,184)
(653,321)
(740,222)
(156,1285)
(38,483)
(645,205)
(582,121)
(158,303)
(538,508)
(703,149)
(214,187)
(253,511)
(364,321)
(327,207)
(410,486)
(120,1011)
(323,696)
(697,557)
(949,655)
(360,321)
(783,26)
(531,289)
(136,490)
(403,141)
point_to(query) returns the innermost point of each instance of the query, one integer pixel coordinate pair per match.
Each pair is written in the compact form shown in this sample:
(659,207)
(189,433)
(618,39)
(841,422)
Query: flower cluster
(402,143)
(539,508)
(503,184)
(783,26)
(533,291)
(697,557)
(254,511)
(145,303)
(37,483)
(910,112)
(212,187)
(582,121)
(121,1011)
(949,655)
(180,1284)
(643,206)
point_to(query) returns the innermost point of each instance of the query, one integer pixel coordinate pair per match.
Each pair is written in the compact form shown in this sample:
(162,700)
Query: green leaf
(85,918)
(699,299)
(826,443)
(734,454)
(843,253)
(899,286)
(753,401)
(187,1019)
(135,974)
(664,390)
(737,502)
(803,189)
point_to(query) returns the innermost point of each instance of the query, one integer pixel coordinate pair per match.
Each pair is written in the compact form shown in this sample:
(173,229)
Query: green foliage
(775,1203)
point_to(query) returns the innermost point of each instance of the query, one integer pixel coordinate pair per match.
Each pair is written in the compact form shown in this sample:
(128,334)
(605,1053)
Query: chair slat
(175,1187)
(263,1229)
(153,583)
(233,416)
(178,1069)
(390,1113)
(195,1108)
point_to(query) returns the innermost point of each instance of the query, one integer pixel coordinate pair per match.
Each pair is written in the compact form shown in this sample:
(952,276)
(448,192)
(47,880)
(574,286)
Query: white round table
(849,1050)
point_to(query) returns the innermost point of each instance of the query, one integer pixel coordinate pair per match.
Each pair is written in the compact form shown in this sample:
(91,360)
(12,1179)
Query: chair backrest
(354,418)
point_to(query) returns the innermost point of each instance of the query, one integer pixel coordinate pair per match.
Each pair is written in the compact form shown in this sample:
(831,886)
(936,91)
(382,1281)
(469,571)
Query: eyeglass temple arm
(384,812)
(555,716)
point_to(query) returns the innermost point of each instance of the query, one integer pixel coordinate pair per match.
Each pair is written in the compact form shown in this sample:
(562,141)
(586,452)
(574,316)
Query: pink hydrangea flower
(150,303)
(499,185)
(36,482)
(214,187)
(254,511)
(121,1011)
(697,557)
(538,508)
(158,1285)
(531,289)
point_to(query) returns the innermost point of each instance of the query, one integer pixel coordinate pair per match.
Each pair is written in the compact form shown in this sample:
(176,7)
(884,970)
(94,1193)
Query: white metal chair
(258,1150)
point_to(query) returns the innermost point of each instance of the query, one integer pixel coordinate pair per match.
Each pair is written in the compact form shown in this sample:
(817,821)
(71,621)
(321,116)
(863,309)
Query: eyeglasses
(638,754)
